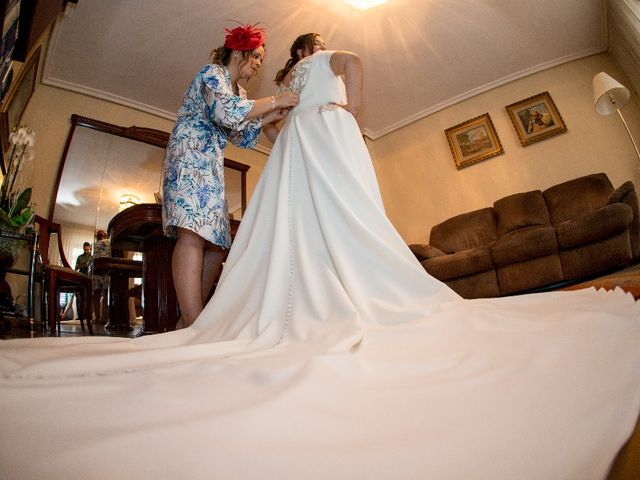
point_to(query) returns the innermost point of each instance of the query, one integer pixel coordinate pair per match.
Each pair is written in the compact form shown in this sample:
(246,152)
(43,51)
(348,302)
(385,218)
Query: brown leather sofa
(535,239)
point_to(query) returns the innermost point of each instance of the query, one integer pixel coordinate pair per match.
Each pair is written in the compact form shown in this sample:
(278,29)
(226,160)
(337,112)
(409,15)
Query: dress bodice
(315,82)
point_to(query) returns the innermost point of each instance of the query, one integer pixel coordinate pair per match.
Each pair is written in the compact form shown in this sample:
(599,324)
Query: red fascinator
(244,37)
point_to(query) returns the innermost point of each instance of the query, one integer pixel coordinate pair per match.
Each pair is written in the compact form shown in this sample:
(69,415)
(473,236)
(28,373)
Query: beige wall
(421,186)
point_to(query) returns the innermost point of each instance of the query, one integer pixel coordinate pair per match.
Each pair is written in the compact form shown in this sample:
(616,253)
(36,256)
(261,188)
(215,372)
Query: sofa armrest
(626,194)
(619,193)
(459,264)
(425,252)
(594,226)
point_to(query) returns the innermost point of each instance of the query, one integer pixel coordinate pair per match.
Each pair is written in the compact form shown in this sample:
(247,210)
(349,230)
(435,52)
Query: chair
(120,270)
(60,279)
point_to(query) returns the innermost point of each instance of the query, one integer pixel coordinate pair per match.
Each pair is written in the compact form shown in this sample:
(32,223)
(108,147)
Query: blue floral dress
(193,183)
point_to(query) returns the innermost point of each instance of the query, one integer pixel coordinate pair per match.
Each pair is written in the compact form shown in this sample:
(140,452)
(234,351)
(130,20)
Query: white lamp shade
(609,95)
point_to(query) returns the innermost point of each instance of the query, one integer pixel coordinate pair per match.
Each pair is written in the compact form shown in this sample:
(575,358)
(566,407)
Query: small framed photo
(18,97)
(473,141)
(536,118)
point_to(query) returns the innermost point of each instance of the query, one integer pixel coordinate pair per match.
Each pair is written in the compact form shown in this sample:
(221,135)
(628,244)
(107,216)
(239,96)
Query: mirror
(105,166)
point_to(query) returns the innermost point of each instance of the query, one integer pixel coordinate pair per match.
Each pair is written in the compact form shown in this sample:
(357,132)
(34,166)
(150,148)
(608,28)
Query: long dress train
(328,352)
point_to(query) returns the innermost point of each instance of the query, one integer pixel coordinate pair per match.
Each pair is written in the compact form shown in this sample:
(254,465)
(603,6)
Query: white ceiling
(419,55)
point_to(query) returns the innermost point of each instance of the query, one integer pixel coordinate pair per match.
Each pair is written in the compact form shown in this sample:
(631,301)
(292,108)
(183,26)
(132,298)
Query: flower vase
(9,249)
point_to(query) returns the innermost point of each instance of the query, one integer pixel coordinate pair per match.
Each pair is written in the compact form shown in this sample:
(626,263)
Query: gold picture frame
(18,98)
(473,141)
(536,118)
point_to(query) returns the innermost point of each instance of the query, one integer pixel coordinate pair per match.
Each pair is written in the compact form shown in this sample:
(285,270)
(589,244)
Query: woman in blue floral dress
(215,108)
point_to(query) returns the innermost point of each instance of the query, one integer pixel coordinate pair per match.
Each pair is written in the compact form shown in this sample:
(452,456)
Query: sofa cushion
(460,264)
(619,193)
(626,194)
(465,231)
(480,285)
(423,252)
(602,223)
(596,257)
(524,244)
(527,275)
(574,198)
(520,210)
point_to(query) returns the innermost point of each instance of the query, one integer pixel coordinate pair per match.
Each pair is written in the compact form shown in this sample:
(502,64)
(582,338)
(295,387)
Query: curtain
(623,22)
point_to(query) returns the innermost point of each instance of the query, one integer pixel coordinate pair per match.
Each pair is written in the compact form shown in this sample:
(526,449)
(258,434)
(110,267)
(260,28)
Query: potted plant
(16,210)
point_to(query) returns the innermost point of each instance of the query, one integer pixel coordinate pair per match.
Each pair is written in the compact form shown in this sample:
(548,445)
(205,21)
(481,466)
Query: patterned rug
(627,279)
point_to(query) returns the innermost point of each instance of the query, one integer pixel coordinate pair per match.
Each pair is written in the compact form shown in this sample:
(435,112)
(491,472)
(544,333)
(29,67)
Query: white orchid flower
(30,139)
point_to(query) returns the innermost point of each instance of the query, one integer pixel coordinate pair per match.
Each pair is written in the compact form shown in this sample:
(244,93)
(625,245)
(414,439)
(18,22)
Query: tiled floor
(11,327)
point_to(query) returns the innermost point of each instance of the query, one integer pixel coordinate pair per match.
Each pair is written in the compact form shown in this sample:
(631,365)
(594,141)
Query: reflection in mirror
(101,170)
(106,168)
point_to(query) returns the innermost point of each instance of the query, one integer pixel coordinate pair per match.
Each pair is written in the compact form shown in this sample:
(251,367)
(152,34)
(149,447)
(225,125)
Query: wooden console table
(139,229)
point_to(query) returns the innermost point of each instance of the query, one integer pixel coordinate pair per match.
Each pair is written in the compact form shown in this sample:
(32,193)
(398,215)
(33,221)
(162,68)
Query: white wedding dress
(328,352)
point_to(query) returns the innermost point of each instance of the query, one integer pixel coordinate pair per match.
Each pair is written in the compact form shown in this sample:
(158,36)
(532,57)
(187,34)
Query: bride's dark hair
(300,43)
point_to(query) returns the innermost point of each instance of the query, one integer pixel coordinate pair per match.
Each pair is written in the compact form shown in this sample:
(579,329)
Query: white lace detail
(328,106)
(299,75)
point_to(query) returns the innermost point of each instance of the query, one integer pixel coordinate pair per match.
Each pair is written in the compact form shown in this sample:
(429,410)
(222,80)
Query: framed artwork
(473,141)
(536,118)
(18,97)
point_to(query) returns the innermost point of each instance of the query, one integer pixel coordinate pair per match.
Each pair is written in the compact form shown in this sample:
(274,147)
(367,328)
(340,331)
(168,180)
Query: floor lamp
(610,96)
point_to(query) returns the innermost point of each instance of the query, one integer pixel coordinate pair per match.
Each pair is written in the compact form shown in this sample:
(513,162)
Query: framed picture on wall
(18,97)
(536,118)
(473,141)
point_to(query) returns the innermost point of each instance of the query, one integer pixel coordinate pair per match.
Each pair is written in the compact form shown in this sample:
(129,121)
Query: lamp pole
(612,99)
(629,132)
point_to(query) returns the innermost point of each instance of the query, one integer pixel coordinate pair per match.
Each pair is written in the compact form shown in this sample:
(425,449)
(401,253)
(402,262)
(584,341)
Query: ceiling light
(128,200)
(364,4)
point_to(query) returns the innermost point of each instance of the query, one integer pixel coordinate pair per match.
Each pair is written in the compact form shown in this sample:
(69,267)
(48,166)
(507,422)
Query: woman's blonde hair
(222,55)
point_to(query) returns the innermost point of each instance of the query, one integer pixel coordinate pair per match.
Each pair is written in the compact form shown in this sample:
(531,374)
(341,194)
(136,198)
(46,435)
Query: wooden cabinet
(35,17)
(9,20)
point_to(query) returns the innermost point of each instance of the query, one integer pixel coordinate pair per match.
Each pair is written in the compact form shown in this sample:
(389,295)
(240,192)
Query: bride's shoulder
(297,76)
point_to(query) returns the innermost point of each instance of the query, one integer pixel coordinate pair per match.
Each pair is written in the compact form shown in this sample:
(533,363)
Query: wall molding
(375,135)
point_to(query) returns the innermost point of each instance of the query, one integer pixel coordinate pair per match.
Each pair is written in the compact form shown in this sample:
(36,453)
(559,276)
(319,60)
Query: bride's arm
(349,65)
(271,132)
(269,121)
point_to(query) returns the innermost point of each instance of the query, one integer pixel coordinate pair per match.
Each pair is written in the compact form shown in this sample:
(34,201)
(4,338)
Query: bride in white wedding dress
(328,352)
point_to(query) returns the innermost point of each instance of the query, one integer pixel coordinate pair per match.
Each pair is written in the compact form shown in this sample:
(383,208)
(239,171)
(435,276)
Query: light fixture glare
(128,200)
(365,4)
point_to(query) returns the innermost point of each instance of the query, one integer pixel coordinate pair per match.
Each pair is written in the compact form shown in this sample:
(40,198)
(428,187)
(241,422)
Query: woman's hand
(274,116)
(286,100)
(267,105)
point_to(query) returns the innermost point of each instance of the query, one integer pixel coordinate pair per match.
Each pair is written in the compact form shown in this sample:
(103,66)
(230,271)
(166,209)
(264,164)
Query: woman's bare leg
(213,260)
(187,267)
